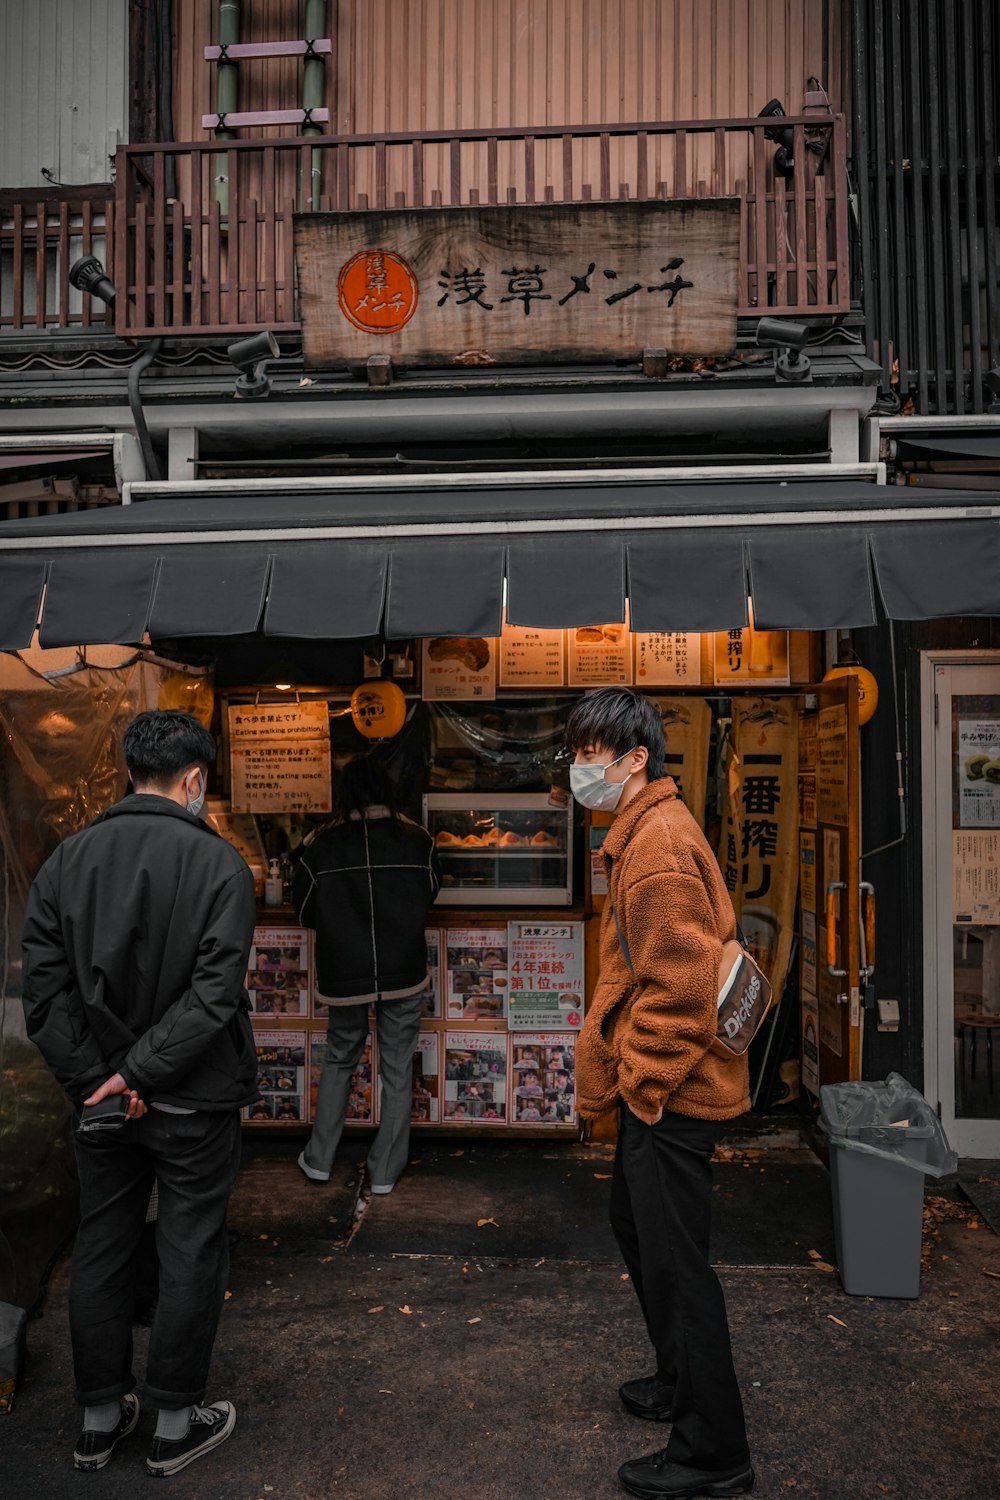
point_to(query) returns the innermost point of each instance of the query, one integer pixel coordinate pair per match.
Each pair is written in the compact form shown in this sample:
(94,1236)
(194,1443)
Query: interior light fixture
(282,687)
(790,364)
(88,275)
(250,355)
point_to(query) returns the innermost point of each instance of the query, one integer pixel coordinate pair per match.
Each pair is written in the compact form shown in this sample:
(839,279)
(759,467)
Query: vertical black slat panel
(862,160)
(969,69)
(950,120)
(212,590)
(990,24)
(811,578)
(937,569)
(556,582)
(21,582)
(692,579)
(901,238)
(332,590)
(915,64)
(936,192)
(98,598)
(882,291)
(450,586)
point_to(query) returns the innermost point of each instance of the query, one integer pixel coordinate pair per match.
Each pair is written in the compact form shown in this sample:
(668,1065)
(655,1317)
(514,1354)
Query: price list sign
(531,658)
(546,976)
(280,757)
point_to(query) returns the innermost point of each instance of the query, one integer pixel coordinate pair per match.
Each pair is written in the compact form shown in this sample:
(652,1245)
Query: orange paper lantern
(378,710)
(867,687)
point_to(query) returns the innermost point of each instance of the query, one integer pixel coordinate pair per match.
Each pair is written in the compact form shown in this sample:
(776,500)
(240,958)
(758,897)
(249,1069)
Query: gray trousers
(398,1023)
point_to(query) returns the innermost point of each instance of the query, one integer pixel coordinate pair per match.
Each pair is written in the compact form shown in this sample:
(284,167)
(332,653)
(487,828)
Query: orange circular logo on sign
(377,291)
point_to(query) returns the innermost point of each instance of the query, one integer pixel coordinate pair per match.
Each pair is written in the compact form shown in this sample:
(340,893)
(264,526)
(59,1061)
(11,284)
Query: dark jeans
(195,1159)
(661,1200)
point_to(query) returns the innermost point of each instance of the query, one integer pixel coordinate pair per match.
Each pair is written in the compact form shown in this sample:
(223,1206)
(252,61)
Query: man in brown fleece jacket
(645,1047)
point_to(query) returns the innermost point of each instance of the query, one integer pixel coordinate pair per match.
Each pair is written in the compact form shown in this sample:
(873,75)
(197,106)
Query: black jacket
(135,953)
(366,886)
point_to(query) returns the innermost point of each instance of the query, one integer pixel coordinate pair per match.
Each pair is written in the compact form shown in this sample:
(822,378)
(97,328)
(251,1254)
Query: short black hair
(162,743)
(365,782)
(621,720)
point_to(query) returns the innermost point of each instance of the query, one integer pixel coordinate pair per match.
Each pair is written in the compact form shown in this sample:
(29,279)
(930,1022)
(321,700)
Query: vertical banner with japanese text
(759,854)
(687,728)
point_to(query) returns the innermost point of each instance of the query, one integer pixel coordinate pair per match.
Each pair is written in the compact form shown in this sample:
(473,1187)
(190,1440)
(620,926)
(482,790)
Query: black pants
(195,1159)
(661,1198)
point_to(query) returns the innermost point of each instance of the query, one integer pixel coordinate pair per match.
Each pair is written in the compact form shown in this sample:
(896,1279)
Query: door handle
(867,931)
(831,929)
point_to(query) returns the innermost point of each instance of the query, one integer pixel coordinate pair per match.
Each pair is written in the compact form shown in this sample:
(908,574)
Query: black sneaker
(649,1397)
(656,1477)
(93,1449)
(210,1426)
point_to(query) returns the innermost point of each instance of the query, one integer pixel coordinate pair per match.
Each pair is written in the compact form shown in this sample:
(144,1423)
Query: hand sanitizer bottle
(272,885)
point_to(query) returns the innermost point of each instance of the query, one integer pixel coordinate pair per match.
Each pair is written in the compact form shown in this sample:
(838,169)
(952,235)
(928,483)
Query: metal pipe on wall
(313,89)
(226,91)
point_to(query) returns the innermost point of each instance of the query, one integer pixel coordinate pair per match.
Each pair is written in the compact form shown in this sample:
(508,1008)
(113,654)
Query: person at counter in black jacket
(135,950)
(365,882)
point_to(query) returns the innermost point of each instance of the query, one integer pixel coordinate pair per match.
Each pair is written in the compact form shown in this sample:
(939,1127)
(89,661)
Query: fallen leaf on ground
(340,1411)
(481,1223)
(883,1487)
(458,1153)
(603,1176)
(475,1320)
(332,1221)
(471,1405)
(539,1262)
(994,1274)
(815,1255)
(838,1321)
(227,1297)
(325,1260)
(425,1325)
(952,1294)
(945,1329)
(823,1265)
(262,1236)
(380,1308)
(625,1276)
(386,1393)
(407,1309)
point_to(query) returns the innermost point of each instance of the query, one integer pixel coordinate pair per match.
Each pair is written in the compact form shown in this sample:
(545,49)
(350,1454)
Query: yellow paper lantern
(867,687)
(378,710)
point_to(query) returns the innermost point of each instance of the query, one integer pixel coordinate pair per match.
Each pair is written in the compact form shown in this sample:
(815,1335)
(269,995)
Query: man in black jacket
(135,952)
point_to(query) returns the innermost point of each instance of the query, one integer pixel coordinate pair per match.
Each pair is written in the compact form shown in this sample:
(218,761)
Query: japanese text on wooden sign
(519,283)
(280,757)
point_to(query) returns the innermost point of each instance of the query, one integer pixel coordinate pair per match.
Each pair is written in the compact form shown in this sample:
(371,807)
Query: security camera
(88,275)
(250,355)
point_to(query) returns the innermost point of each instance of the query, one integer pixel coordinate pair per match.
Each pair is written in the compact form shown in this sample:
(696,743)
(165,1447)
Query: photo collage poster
(477,973)
(432,994)
(543,1079)
(278,974)
(427,1079)
(475,1077)
(281,1074)
(361,1097)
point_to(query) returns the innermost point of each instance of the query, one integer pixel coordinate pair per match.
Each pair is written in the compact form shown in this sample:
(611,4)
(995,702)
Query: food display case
(502,849)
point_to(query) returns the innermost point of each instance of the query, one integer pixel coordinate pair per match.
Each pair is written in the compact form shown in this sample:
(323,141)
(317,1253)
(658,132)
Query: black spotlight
(791,339)
(991,380)
(784,157)
(88,275)
(250,355)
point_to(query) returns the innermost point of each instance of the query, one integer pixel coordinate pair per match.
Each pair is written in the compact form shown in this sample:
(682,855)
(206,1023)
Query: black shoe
(649,1397)
(93,1449)
(656,1477)
(210,1426)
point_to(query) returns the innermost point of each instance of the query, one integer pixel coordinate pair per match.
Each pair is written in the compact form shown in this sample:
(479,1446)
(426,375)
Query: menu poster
(431,995)
(543,1080)
(979,773)
(361,1103)
(831,766)
(461,668)
(280,757)
(532,658)
(278,977)
(427,1079)
(976,878)
(475,1076)
(477,973)
(281,1072)
(666,659)
(546,975)
(600,656)
(598,869)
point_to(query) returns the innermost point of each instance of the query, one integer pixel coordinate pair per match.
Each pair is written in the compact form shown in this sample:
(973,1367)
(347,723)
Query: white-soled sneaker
(93,1449)
(382,1187)
(210,1426)
(311,1172)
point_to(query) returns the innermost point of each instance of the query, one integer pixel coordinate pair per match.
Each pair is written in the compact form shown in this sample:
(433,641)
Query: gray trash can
(883,1138)
(878,1211)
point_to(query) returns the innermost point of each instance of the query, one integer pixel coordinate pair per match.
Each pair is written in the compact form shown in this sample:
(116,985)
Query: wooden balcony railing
(42,232)
(202,235)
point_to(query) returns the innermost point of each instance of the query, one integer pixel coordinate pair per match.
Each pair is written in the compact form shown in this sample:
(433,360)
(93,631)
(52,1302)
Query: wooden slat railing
(42,232)
(207,246)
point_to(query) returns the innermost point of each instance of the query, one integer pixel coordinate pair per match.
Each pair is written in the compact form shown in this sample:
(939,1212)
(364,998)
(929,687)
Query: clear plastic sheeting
(61,765)
(892,1120)
(508,745)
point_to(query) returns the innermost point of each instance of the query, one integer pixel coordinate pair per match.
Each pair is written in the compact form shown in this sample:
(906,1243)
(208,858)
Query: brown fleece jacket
(647,1040)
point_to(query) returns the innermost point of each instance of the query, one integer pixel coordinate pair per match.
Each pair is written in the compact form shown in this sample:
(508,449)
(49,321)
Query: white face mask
(592,789)
(195,802)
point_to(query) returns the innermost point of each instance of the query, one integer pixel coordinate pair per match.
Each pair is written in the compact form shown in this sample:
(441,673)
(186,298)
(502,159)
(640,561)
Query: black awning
(325,562)
(928,448)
